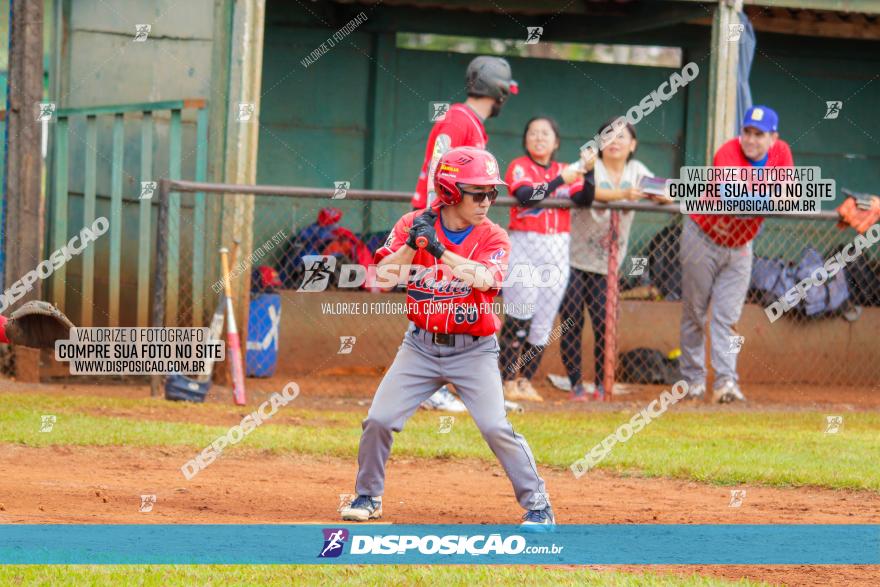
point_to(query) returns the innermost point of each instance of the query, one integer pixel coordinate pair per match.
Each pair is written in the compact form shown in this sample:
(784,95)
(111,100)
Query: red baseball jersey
(523,171)
(436,300)
(729,230)
(464,128)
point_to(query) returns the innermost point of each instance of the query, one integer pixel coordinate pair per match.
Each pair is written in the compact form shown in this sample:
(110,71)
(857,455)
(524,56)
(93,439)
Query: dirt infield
(103,485)
(65,484)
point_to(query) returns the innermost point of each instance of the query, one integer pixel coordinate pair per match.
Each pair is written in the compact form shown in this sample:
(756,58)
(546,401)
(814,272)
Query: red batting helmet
(460,166)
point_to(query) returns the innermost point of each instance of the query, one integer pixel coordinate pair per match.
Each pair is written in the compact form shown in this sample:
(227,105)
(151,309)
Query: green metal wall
(102,65)
(314,126)
(360,113)
(345,118)
(797,81)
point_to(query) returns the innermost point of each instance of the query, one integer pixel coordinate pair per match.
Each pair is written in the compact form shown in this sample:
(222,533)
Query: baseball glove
(37,324)
(860,213)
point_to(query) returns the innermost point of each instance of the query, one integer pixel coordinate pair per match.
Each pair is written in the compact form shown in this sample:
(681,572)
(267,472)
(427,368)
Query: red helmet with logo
(463,166)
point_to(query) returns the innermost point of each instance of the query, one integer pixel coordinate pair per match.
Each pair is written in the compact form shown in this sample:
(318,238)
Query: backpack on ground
(649,366)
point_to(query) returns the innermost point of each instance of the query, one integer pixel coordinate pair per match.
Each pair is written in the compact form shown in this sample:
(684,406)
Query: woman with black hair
(538,237)
(617,176)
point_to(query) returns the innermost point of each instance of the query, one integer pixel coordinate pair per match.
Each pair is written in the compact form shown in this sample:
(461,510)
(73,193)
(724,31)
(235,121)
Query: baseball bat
(232,341)
(216,334)
(233,254)
(611,298)
(217,319)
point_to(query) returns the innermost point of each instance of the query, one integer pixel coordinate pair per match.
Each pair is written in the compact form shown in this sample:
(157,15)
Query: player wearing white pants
(539,301)
(539,240)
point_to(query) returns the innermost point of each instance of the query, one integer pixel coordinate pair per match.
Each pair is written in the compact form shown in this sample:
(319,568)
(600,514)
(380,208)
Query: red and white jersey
(525,172)
(464,128)
(436,300)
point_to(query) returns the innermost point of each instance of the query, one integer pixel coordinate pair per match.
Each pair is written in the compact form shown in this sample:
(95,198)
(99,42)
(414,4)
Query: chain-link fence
(304,313)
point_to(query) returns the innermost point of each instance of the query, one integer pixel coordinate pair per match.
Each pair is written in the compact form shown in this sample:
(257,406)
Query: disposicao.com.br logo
(393,544)
(334,541)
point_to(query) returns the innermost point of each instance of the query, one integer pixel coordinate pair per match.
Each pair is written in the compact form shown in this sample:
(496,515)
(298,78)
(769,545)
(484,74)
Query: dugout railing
(642,309)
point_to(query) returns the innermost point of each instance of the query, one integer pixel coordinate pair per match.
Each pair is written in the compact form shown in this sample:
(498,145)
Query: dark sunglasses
(480,196)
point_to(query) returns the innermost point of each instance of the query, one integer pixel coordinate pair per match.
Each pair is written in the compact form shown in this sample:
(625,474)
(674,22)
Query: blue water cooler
(264,320)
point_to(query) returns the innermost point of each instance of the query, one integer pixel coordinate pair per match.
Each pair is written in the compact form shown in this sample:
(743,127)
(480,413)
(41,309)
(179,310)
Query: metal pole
(160,271)
(611,294)
(389,196)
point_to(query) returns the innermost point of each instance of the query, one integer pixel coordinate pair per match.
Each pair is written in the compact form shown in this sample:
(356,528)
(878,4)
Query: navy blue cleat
(363,508)
(539,520)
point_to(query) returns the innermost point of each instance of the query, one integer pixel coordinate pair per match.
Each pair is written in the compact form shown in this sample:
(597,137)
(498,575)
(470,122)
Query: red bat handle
(421,242)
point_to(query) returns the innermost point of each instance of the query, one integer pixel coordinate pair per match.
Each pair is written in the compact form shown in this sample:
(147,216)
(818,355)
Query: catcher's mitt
(860,213)
(37,324)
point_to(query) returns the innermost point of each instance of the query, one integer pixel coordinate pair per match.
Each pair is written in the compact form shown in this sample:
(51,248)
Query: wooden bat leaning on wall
(233,343)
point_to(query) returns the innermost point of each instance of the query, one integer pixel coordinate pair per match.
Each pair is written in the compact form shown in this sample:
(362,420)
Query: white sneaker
(511,390)
(444,400)
(560,382)
(510,406)
(521,389)
(528,391)
(728,392)
(696,391)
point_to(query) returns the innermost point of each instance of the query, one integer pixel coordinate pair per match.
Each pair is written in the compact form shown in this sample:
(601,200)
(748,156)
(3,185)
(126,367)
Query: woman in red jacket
(539,239)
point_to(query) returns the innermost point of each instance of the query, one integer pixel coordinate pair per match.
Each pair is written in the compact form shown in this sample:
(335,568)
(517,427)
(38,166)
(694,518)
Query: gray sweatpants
(419,368)
(716,274)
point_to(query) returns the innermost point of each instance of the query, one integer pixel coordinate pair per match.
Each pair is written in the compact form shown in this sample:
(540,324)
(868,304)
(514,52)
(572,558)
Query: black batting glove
(435,247)
(426,219)
(417,233)
(432,243)
(421,224)
(414,232)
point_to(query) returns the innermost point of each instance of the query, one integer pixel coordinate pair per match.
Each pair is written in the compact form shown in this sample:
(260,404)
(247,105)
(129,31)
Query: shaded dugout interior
(360,112)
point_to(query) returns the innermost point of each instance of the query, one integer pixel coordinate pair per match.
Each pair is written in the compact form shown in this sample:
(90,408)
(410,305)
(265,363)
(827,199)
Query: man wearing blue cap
(716,262)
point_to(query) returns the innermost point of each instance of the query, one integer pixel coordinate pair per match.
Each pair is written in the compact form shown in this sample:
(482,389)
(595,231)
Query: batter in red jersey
(451,339)
(488,84)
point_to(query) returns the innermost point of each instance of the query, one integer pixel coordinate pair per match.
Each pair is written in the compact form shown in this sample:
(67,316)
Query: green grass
(774,448)
(386,575)
(769,448)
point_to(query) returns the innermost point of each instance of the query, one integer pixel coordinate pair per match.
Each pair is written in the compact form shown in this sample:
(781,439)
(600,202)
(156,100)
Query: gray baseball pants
(720,275)
(419,368)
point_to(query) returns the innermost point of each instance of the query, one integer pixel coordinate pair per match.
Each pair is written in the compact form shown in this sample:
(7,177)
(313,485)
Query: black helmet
(490,76)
